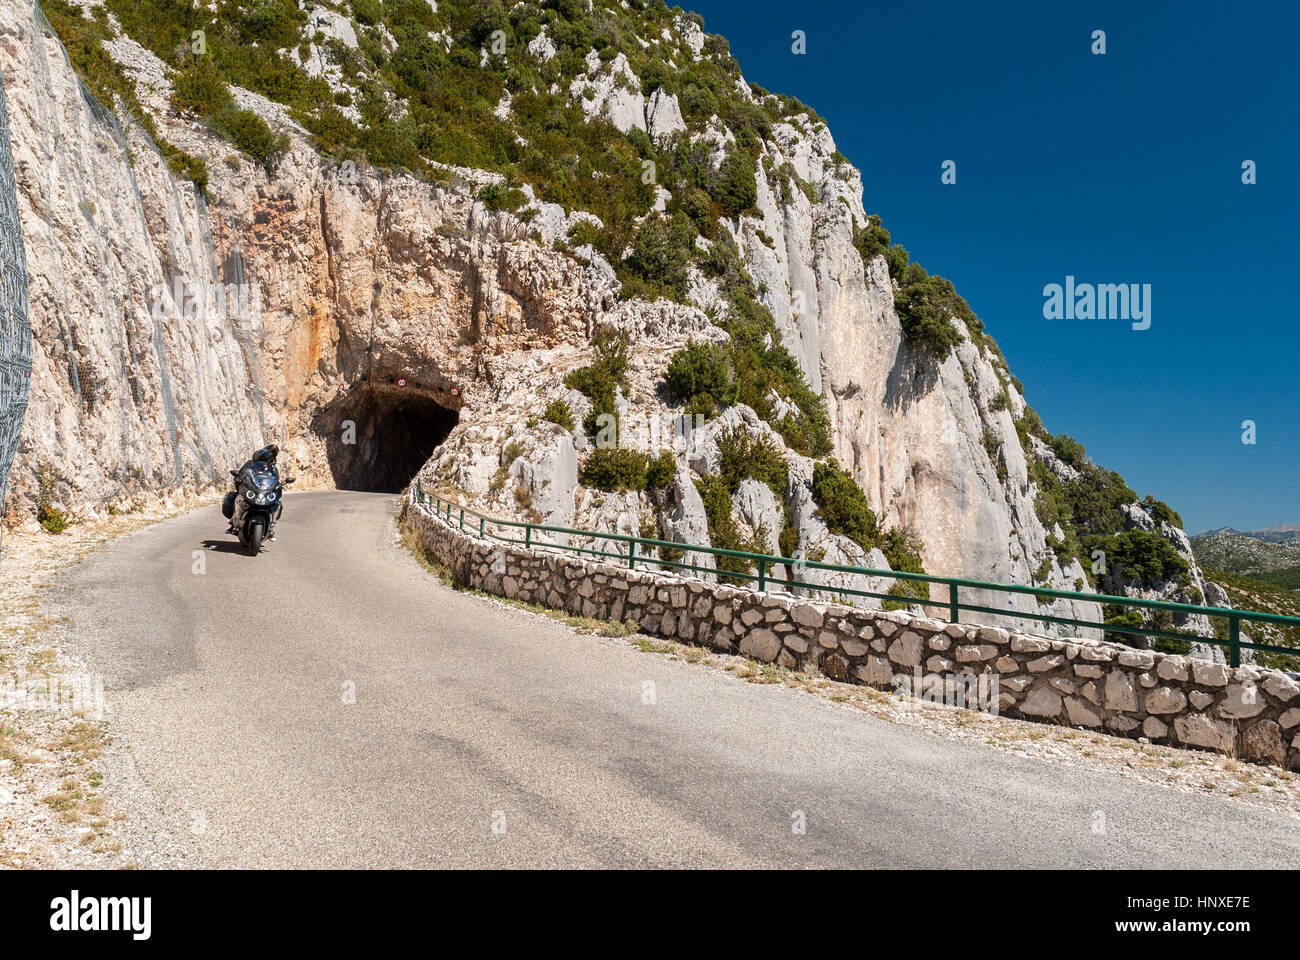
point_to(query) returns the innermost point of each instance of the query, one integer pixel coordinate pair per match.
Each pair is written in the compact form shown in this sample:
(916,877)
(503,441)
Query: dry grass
(85,741)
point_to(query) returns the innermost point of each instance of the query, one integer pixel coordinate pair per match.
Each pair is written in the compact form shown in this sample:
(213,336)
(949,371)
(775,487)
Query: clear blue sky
(1117,168)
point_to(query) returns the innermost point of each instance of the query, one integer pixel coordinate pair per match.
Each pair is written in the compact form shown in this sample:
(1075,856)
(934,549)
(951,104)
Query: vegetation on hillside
(1249,593)
(1287,578)
(448,68)
(600,382)
(753,367)
(83,38)
(1261,559)
(742,456)
(1088,510)
(844,509)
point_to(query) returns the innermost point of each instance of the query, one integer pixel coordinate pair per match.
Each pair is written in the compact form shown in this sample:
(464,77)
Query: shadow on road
(224,546)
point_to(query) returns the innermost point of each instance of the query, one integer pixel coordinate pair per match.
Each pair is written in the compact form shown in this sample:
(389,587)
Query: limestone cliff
(365,317)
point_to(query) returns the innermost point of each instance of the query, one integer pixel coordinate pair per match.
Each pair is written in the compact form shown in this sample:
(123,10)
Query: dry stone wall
(1250,712)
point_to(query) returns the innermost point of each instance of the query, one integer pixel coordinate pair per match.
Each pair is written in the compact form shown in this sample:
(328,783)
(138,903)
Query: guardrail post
(631,554)
(762,575)
(481,522)
(528,536)
(1234,640)
(953,610)
(462,518)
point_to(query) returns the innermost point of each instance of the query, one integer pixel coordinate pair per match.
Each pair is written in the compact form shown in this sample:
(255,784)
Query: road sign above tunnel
(401,381)
(455,391)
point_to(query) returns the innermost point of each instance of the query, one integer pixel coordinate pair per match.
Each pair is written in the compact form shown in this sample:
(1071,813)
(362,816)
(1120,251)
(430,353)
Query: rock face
(133,388)
(612,92)
(15,328)
(663,116)
(359,317)
(173,335)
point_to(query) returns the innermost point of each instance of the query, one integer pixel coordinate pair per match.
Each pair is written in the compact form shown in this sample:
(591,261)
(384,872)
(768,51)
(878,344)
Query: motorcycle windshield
(260,476)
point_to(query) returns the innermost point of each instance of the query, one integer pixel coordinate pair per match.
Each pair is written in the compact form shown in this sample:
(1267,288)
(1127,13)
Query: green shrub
(843,505)
(658,264)
(1139,556)
(924,309)
(872,240)
(368,12)
(1161,511)
(735,188)
(250,133)
(333,132)
(199,88)
(47,515)
(499,196)
(897,259)
(600,381)
(614,468)
(185,164)
(788,540)
(742,456)
(751,367)
(1029,425)
(700,368)
(559,412)
(1119,616)
(1068,450)
(52,519)
(723,531)
(661,471)
(903,551)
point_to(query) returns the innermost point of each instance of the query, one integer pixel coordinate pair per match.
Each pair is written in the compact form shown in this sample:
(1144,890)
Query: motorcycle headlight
(248,494)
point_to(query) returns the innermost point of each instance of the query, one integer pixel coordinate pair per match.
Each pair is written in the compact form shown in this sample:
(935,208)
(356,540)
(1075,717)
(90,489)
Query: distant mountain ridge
(1276,534)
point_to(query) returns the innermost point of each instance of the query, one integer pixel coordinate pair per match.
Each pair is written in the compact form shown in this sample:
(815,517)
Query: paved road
(228,696)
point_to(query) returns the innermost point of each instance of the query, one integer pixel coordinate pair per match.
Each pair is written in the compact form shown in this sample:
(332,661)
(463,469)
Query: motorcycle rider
(268,456)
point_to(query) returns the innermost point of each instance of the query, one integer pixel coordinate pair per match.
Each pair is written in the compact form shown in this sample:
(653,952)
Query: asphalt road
(228,689)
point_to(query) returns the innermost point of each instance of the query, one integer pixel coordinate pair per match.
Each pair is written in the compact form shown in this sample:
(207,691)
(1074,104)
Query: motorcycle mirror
(289,480)
(235,474)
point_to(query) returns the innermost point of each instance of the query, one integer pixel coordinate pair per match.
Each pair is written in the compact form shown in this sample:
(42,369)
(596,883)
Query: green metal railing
(953,604)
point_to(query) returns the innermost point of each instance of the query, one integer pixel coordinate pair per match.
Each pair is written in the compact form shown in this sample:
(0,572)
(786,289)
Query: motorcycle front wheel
(255,531)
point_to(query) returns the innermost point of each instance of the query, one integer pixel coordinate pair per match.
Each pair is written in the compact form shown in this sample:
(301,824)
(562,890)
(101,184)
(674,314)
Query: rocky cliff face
(172,333)
(129,388)
(363,318)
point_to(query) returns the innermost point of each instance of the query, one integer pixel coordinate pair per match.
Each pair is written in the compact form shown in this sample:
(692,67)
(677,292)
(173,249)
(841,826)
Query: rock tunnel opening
(393,433)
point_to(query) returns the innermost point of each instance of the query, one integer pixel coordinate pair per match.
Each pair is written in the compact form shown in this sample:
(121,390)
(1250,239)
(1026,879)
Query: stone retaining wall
(1250,712)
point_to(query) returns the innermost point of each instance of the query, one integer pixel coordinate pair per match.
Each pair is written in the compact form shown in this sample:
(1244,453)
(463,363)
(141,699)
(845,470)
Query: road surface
(482,735)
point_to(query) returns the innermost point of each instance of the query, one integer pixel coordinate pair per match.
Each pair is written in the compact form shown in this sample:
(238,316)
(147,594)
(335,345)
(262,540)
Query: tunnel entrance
(393,432)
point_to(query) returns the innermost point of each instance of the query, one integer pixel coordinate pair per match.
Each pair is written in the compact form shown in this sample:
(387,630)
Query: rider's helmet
(267,454)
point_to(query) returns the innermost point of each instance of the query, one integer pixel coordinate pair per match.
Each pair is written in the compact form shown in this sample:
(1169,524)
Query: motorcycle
(255,504)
